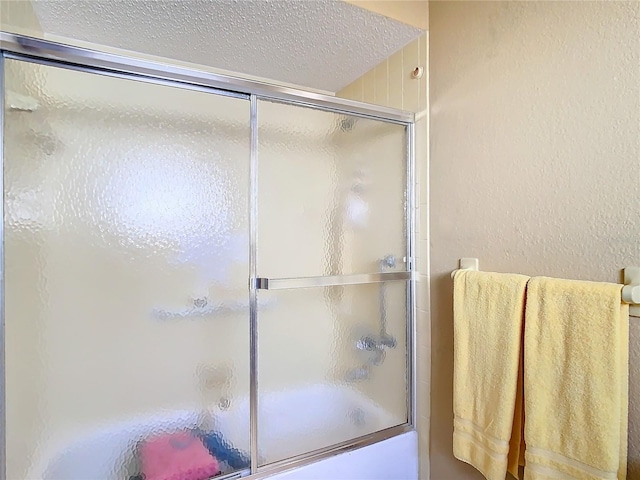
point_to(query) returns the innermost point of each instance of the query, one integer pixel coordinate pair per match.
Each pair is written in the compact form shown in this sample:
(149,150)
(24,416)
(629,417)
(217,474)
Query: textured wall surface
(535,157)
(391,84)
(321,44)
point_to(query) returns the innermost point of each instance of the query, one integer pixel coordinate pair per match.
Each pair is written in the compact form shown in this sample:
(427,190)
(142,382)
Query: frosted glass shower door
(126,267)
(332,286)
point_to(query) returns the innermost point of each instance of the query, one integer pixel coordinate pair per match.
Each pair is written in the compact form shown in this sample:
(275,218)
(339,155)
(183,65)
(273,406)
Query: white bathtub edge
(393,459)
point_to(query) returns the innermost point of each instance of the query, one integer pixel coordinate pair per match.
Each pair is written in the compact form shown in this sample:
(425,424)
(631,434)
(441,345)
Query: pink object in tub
(177,456)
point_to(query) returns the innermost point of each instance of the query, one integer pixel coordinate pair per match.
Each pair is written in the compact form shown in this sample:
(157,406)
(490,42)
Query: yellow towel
(576,380)
(488,314)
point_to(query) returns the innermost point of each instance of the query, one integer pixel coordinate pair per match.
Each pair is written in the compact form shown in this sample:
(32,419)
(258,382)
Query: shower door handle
(262,283)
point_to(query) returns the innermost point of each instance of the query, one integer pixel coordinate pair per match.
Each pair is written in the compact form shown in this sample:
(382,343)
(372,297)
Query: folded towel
(223,450)
(576,380)
(488,315)
(176,456)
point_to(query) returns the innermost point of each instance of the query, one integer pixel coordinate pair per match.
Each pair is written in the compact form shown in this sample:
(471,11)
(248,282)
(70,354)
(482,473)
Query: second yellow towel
(576,380)
(488,314)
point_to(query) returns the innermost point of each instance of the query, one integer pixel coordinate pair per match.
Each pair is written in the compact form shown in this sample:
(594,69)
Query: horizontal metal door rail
(45,49)
(329,281)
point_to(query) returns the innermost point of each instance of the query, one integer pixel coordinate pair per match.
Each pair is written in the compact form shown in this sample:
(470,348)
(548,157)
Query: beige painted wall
(412,12)
(535,161)
(17,16)
(391,84)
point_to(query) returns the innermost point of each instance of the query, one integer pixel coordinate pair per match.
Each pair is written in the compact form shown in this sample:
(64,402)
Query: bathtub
(288,417)
(393,459)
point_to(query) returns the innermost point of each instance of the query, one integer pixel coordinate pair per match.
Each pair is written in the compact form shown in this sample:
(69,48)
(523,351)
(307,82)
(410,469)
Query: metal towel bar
(630,291)
(329,281)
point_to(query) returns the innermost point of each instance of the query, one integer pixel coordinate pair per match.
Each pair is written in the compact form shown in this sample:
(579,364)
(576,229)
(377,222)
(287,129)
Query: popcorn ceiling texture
(321,44)
(535,162)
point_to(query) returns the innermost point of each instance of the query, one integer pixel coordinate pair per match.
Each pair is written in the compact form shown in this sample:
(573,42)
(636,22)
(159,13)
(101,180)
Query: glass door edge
(411,291)
(253,292)
(3,411)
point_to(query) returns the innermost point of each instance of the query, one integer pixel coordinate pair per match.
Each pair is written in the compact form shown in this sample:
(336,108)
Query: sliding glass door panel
(328,370)
(332,247)
(126,264)
(331,196)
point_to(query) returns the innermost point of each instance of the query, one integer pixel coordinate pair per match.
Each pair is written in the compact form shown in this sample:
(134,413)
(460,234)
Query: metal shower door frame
(44,52)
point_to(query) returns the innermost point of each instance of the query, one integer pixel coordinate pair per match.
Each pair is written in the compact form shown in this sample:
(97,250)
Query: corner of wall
(411,12)
(18,16)
(391,83)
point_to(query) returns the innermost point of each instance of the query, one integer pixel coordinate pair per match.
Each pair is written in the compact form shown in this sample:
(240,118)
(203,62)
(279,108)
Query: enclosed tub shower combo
(202,275)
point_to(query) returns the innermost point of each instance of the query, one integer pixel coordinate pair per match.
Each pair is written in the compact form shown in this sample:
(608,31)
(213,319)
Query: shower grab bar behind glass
(329,281)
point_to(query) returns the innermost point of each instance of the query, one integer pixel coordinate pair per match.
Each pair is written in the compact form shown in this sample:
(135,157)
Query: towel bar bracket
(631,290)
(467,264)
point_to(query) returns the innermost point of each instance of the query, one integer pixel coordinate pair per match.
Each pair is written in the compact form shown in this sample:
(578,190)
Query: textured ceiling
(320,44)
